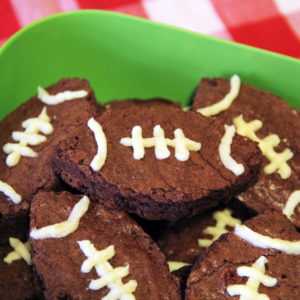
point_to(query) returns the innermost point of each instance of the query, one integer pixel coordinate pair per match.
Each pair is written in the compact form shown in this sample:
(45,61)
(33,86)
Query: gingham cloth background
(268,24)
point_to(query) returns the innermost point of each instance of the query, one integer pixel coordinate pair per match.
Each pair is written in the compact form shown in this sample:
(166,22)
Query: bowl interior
(126,57)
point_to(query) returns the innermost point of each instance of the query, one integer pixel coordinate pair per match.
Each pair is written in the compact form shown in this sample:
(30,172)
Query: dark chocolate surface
(120,105)
(277,118)
(183,274)
(217,268)
(16,279)
(58,261)
(153,188)
(180,241)
(33,174)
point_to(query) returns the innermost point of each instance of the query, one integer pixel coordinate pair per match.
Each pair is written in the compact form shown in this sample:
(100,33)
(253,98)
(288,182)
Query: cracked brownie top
(117,250)
(275,125)
(157,186)
(34,171)
(218,273)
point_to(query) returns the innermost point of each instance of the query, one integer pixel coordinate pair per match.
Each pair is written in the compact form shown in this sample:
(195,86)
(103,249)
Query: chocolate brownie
(58,261)
(179,242)
(128,103)
(216,270)
(32,174)
(277,117)
(16,279)
(183,274)
(150,187)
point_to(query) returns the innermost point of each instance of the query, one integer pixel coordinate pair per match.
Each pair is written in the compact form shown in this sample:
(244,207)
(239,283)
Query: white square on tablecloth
(195,15)
(287,6)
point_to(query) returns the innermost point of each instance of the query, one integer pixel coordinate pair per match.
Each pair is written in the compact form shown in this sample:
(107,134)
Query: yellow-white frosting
(175,265)
(222,218)
(21,251)
(110,277)
(235,83)
(100,138)
(256,277)
(293,201)
(8,191)
(48,99)
(181,144)
(259,240)
(278,161)
(225,151)
(30,136)
(65,228)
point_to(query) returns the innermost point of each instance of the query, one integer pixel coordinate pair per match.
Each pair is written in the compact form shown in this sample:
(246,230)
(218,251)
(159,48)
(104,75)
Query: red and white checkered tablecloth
(268,24)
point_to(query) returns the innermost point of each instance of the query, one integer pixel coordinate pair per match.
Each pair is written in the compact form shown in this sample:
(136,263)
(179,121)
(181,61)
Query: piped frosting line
(182,145)
(258,240)
(21,251)
(48,99)
(278,161)
(176,265)
(222,218)
(65,228)
(10,192)
(256,274)
(100,138)
(293,201)
(225,151)
(235,83)
(110,277)
(29,136)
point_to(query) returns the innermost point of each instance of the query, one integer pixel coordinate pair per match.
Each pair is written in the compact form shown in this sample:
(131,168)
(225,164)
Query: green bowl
(126,57)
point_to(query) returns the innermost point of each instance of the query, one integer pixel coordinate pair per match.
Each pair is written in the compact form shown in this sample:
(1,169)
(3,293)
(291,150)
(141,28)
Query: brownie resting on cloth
(219,268)
(32,174)
(58,261)
(150,187)
(277,118)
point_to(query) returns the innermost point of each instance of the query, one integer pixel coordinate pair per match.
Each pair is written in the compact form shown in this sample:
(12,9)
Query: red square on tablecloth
(134,9)
(271,34)
(8,22)
(237,12)
(104,4)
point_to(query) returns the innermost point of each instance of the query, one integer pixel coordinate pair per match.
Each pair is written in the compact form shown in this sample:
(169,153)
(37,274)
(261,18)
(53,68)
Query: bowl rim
(114,14)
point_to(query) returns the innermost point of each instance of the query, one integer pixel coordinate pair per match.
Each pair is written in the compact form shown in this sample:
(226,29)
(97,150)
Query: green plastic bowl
(125,57)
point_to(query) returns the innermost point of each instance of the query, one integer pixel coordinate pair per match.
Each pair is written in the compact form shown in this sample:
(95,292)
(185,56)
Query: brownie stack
(162,194)
(276,117)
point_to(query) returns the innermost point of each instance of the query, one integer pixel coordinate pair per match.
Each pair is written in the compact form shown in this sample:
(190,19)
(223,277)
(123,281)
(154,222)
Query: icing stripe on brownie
(137,142)
(46,98)
(256,276)
(293,201)
(100,138)
(8,191)
(259,240)
(175,265)
(110,277)
(222,218)
(65,228)
(181,144)
(21,251)
(235,83)
(224,152)
(29,136)
(278,161)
